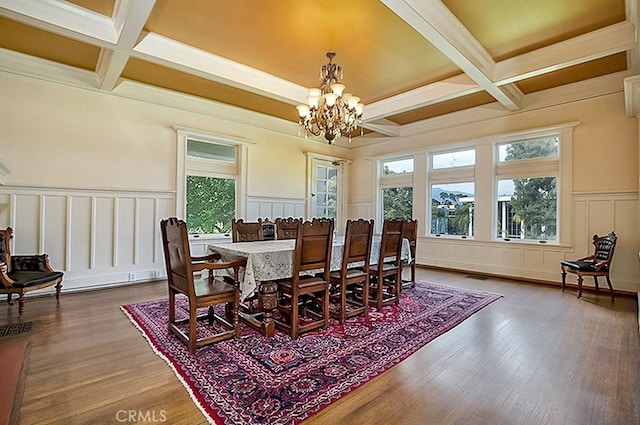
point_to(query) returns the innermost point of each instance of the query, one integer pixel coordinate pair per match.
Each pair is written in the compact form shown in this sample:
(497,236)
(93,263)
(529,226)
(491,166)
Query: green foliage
(397,202)
(211,204)
(535,200)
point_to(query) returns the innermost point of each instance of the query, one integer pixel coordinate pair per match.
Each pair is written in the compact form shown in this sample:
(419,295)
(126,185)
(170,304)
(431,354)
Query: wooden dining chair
(245,231)
(312,254)
(350,284)
(597,264)
(411,234)
(201,293)
(287,228)
(385,280)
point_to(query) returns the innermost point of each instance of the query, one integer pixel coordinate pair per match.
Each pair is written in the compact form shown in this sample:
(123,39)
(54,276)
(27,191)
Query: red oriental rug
(258,380)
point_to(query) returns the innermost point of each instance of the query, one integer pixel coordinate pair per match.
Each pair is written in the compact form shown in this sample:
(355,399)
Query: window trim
(241,164)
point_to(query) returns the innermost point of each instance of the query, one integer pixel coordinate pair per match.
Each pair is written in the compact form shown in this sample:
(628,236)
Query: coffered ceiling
(408,60)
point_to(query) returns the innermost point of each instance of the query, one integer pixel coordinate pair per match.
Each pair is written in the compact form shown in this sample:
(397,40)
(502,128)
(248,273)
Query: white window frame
(195,166)
(389,181)
(557,166)
(462,174)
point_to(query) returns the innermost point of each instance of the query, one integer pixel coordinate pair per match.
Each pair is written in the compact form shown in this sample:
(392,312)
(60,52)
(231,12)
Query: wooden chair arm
(4,277)
(214,256)
(590,257)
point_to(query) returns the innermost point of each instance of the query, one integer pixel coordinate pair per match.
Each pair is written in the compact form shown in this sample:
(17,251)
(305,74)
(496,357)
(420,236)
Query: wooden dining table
(269,261)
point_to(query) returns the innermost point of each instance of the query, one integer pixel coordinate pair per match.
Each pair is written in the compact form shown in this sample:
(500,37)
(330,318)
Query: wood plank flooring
(536,356)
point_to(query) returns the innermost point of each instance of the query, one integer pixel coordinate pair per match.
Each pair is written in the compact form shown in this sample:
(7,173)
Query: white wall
(93,173)
(604,189)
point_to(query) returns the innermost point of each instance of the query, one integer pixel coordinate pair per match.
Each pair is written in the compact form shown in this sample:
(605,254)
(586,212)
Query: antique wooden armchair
(287,228)
(20,274)
(385,276)
(246,231)
(598,264)
(307,293)
(350,284)
(206,292)
(411,234)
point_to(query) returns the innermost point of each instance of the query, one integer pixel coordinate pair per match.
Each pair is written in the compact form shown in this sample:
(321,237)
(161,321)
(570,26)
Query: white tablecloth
(272,260)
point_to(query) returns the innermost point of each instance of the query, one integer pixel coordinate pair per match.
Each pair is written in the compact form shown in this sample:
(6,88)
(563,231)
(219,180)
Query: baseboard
(573,286)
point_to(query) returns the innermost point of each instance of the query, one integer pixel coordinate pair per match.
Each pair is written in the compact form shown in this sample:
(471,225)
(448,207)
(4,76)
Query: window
(210,181)
(396,188)
(527,189)
(452,191)
(326,198)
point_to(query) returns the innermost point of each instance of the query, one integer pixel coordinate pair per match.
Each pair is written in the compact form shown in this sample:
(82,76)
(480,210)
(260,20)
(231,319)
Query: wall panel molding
(95,250)
(592,213)
(272,207)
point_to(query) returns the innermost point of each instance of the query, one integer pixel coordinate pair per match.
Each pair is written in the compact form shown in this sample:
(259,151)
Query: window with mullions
(396,188)
(211,174)
(452,189)
(527,189)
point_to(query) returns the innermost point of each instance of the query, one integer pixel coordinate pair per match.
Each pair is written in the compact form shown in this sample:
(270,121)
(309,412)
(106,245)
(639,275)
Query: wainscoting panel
(592,213)
(96,237)
(262,207)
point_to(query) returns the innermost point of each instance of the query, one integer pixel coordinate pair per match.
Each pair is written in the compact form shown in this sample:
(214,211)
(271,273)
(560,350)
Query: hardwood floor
(536,356)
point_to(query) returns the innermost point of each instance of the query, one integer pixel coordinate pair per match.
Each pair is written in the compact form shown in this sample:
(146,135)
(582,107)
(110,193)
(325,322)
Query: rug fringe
(184,383)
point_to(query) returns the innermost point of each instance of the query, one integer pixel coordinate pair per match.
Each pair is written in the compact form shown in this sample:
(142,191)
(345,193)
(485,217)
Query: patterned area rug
(258,380)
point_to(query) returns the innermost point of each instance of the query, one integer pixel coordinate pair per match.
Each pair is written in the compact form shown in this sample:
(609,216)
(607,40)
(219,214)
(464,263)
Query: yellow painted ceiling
(381,55)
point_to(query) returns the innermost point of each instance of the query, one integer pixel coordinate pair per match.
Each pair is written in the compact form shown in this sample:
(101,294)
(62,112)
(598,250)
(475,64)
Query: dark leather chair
(287,228)
(20,274)
(244,231)
(350,285)
(206,292)
(411,234)
(304,293)
(598,264)
(385,280)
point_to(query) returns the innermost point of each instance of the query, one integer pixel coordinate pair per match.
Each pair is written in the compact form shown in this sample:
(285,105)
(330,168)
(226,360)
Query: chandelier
(330,112)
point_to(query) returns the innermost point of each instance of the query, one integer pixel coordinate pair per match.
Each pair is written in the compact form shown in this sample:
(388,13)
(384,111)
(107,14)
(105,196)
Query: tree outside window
(532,202)
(210,204)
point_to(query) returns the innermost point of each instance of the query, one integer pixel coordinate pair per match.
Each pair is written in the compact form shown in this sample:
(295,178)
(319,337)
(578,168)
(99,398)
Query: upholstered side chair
(20,274)
(597,264)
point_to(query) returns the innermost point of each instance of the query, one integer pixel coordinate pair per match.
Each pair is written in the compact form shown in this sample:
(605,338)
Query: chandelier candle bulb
(330,112)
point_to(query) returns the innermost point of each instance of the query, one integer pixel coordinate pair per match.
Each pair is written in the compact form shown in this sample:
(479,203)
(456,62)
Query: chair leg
(294,316)
(10,298)
(595,280)
(343,302)
(236,320)
(325,305)
(413,275)
(564,279)
(172,307)
(579,286)
(58,291)
(365,297)
(193,338)
(20,304)
(610,287)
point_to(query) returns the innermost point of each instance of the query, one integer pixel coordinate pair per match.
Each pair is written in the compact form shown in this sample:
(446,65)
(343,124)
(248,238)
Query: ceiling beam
(63,18)
(129,19)
(594,45)
(436,23)
(450,88)
(173,54)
